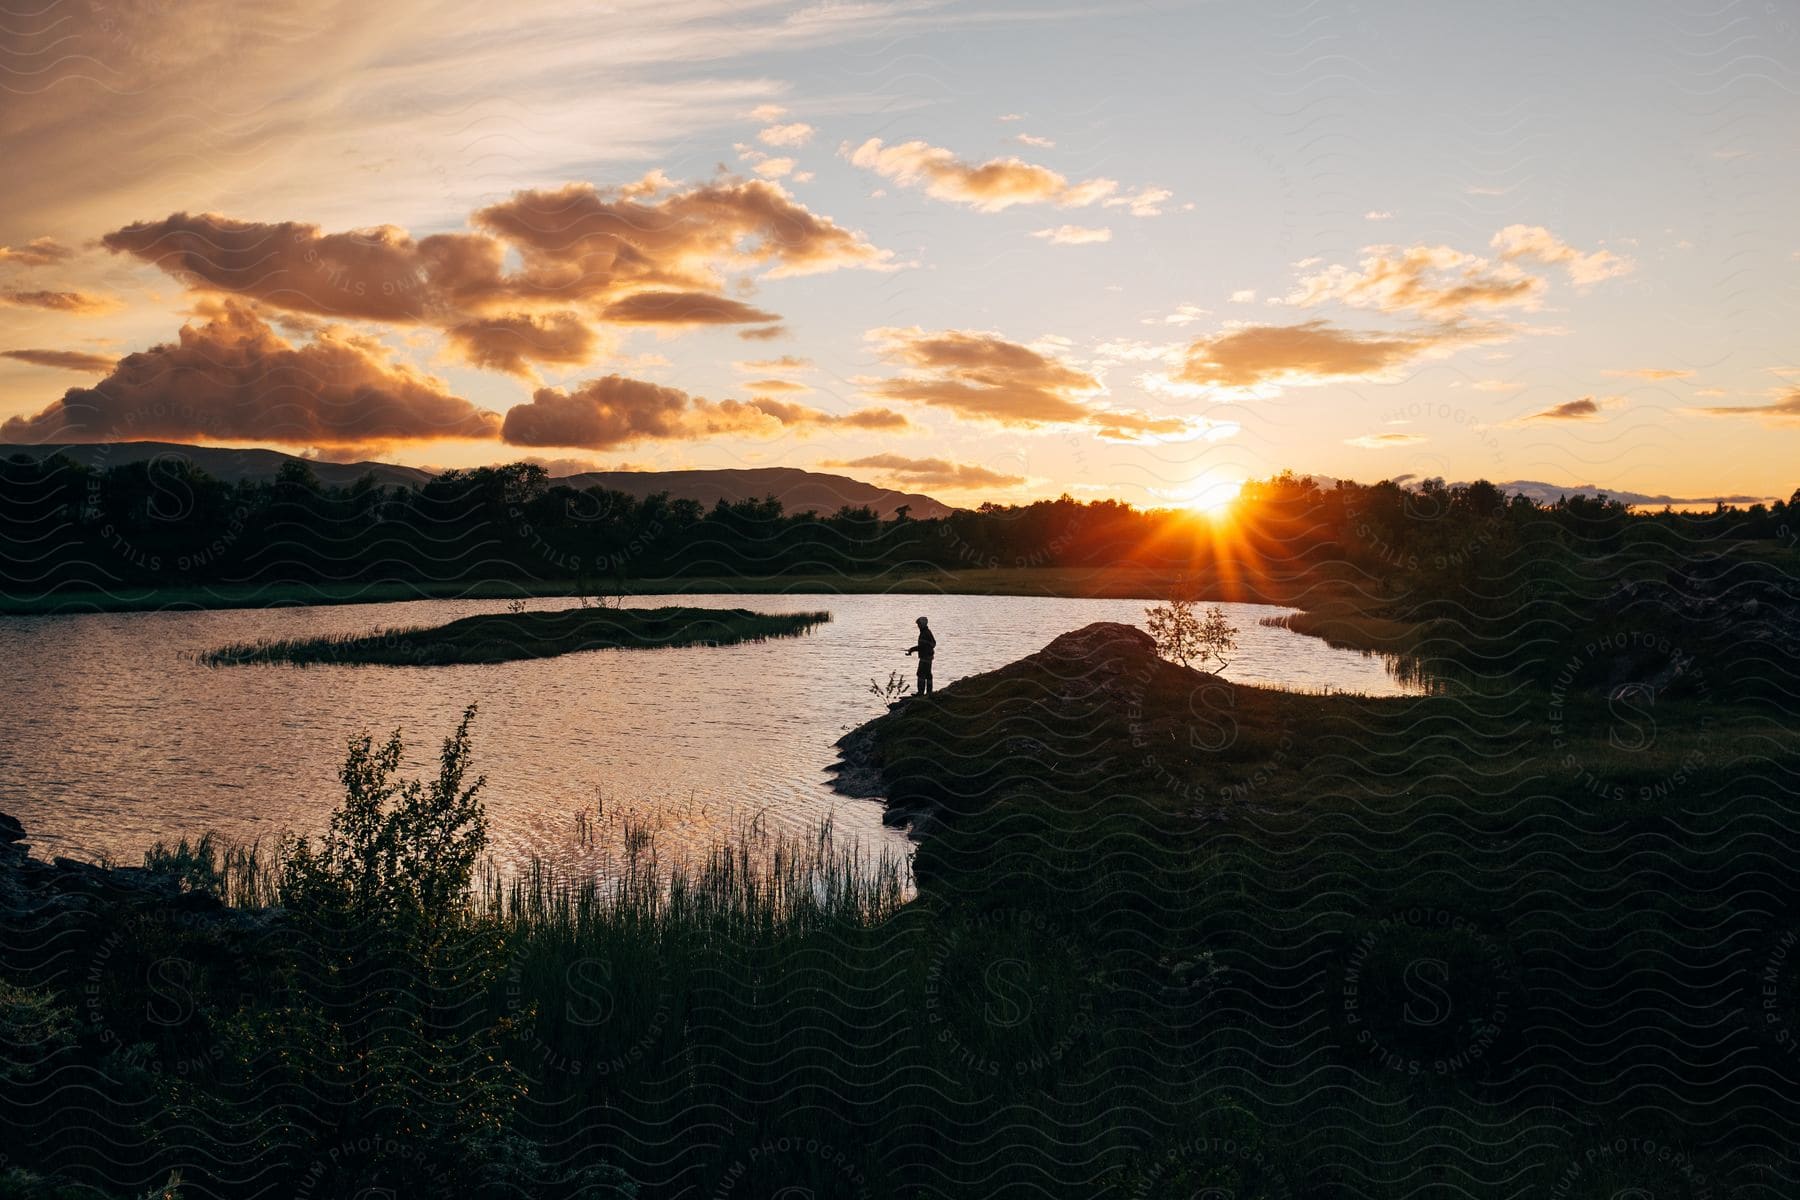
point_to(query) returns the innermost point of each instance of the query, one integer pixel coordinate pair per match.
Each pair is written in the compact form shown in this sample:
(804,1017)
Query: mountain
(798,490)
(1550,493)
(809,491)
(223,462)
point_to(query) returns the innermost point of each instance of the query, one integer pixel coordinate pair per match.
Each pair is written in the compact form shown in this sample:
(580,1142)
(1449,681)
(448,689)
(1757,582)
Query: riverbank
(511,636)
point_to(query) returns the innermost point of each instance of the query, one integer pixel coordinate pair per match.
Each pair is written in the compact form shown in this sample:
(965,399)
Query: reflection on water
(116,736)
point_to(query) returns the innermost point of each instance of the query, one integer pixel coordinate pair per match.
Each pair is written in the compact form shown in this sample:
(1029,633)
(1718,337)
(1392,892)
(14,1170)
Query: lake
(115,735)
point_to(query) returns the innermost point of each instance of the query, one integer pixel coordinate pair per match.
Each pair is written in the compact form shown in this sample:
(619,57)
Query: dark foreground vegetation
(508,636)
(1173,937)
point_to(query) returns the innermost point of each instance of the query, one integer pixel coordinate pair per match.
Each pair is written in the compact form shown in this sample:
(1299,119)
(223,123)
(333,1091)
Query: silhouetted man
(925,649)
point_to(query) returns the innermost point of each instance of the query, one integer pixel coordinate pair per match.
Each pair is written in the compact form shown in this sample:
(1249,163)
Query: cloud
(614,411)
(1244,296)
(795,134)
(80,304)
(984,377)
(1074,235)
(542,268)
(378,274)
(1144,202)
(994,185)
(1434,281)
(38,252)
(774,386)
(787,362)
(67,360)
(1539,244)
(1584,409)
(774,168)
(577,245)
(683,308)
(1314,352)
(1031,139)
(930,472)
(1384,441)
(1654,374)
(1184,314)
(1446,284)
(1783,410)
(767,333)
(235,378)
(511,343)
(1378,215)
(582,238)
(768,112)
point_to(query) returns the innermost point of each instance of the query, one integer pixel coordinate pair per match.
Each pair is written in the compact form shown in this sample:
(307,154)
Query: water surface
(116,736)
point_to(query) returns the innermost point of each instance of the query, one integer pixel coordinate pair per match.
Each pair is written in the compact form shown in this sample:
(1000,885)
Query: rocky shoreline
(34,890)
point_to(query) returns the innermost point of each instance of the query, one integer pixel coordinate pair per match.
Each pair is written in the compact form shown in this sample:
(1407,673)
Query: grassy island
(505,637)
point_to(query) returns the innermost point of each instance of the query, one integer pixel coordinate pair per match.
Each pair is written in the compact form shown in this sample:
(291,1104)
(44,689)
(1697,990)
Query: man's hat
(921,620)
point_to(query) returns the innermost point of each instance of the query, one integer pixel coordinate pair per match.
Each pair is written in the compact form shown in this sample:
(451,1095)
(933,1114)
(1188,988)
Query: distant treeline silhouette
(165,522)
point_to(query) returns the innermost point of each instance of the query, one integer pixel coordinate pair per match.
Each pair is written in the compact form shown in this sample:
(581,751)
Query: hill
(228,463)
(798,490)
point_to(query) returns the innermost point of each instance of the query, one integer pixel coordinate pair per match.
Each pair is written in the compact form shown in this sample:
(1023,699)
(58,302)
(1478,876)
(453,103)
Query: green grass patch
(507,637)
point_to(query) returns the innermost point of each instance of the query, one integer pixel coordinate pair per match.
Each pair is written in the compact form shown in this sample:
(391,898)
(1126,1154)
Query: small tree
(1183,635)
(395,848)
(1218,637)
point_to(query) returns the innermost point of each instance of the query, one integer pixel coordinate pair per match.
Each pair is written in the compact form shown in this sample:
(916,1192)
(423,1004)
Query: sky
(986,251)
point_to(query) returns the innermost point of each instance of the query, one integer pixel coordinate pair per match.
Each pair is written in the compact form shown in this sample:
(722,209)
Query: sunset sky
(985,251)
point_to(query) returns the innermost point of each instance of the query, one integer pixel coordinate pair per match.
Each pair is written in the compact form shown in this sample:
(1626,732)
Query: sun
(1211,496)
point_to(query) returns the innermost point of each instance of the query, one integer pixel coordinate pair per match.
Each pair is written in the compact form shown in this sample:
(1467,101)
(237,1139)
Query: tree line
(165,522)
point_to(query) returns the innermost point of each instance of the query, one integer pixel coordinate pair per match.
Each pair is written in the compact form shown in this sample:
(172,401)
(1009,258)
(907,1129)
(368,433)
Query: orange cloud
(787,362)
(649,252)
(1783,410)
(1384,441)
(930,472)
(80,304)
(683,308)
(67,360)
(378,274)
(1539,244)
(1584,409)
(994,185)
(511,343)
(1653,374)
(235,378)
(615,411)
(582,238)
(1434,281)
(38,252)
(1313,352)
(984,377)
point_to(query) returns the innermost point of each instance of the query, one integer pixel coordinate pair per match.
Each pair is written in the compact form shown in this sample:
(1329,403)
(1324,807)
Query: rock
(10,829)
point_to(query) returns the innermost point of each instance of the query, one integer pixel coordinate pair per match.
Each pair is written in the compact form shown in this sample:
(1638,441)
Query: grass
(507,637)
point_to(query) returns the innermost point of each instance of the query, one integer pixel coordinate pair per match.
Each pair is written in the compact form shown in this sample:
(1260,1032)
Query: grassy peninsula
(510,636)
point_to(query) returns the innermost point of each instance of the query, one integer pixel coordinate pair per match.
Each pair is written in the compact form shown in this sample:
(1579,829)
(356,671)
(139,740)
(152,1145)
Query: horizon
(1541,491)
(709,242)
